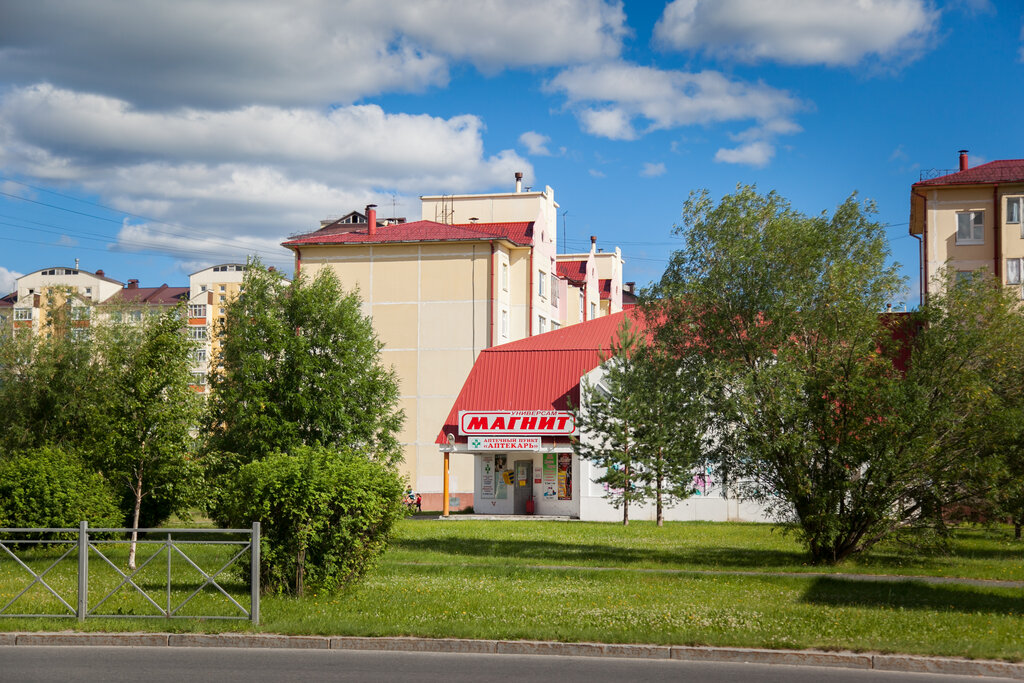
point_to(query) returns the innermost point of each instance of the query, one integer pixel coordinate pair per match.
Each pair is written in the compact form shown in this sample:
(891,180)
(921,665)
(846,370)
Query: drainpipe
(529,297)
(997,225)
(923,239)
(494,293)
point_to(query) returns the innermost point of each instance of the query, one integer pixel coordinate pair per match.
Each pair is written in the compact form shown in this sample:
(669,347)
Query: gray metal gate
(87,545)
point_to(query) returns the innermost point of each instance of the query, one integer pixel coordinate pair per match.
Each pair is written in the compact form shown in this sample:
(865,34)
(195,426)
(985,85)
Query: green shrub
(325,515)
(52,488)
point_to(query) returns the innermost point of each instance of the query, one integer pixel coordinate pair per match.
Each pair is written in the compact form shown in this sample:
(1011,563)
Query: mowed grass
(475,579)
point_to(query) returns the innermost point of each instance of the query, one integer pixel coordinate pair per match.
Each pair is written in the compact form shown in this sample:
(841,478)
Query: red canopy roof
(520,233)
(1003,171)
(537,373)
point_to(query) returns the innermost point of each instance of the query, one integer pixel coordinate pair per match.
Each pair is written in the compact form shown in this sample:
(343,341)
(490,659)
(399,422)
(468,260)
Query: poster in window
(487,476)
(500,485)
(564,476)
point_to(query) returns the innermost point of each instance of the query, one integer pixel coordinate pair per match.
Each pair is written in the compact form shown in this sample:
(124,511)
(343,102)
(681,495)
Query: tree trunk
(135,522)
(300,572)
(625,498)
(1016,528)
(661,512)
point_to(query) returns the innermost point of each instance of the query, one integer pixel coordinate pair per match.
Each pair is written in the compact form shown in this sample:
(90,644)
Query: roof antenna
(564,250)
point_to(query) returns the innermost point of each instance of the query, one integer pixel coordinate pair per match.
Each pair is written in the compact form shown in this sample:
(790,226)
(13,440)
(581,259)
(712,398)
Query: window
(581,306)
(135,316)
(22,313)
(593,310)
(79,313)
(542,283)
(504,276)
(970,227)
(223,288)
(88,291)
(197,310)
(554,325)
(542,324)
(1013,211)
(202,288)
(504,324)
(197,332)
(199,379)
(200,355)
(79,333)
(554,289)
(223,298)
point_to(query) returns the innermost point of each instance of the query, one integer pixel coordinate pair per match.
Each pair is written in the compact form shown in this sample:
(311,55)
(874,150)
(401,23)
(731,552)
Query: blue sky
(151,139)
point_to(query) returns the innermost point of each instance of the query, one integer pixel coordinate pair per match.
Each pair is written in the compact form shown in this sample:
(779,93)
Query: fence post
(254,604)
(83,570)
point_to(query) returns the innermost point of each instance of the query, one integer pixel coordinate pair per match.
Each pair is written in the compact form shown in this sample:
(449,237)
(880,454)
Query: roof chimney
(963,160)
(519,181)
(371,219)
(593,242)
(133,284)
(629,287)
(100,273)
(76,264)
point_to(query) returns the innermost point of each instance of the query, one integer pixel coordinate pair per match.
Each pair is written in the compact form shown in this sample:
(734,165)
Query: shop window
(970,227)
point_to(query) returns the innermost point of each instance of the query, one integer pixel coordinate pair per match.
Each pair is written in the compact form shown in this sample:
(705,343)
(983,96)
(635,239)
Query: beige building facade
(476,271)
(971,220)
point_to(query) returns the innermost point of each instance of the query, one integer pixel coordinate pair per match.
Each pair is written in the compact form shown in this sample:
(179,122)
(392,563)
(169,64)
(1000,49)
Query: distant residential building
(971,219)
(475,271)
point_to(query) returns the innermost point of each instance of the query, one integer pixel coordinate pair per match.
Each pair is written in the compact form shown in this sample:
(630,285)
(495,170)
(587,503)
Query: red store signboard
(531,422)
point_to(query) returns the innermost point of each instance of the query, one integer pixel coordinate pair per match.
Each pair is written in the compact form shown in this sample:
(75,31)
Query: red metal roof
(605,288)
(520,233)
(574,271)
(537,373)
(1003,171)
(150,295)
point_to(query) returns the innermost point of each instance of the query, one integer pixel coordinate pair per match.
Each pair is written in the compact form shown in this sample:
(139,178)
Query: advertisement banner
(549,479)
(564,476)
(502,483)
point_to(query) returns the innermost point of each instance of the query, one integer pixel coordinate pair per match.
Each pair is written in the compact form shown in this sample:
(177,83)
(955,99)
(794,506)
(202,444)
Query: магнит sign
(533,422)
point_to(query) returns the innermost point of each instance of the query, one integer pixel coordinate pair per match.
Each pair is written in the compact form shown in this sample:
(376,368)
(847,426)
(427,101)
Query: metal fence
(169,542)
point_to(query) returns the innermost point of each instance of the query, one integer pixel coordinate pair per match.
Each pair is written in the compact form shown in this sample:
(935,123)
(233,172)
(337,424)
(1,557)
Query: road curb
(821,658)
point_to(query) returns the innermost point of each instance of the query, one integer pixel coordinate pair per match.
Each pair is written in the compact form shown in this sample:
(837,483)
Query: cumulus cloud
(753,153)
(247,176)
(836,33)
(227,53)
(596,173)
(535,143)
(652,170)
(8,280)
(623,101)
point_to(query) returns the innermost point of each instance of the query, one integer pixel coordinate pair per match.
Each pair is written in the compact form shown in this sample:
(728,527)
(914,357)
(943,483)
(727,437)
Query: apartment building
(477,270)
(970,218)
(210,291)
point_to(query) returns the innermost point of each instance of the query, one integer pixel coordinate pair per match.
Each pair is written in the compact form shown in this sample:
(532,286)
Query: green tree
(150,413)
(809,411)
(635,423)
(325,515)
(300,366)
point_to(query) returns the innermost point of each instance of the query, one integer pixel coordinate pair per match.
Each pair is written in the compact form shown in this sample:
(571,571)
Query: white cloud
(754,154)
(595,173)
(535,143)
(221,54)
(651,170)
(67,241)
(834,33)
(612,100)
(8,280)
(248,176)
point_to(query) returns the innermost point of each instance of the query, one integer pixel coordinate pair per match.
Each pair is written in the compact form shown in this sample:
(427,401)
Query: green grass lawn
(478,579)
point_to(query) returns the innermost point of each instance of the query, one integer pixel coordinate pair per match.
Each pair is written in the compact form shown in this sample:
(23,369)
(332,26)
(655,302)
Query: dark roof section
(520,234)
(9,300)
(1003,171)
(605,287)
(151,296)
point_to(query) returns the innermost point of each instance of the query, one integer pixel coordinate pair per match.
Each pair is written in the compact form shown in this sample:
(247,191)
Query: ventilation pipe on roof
(963,160)
(519,182)
(100,273)
(133,284)
(371,219)
(593,243)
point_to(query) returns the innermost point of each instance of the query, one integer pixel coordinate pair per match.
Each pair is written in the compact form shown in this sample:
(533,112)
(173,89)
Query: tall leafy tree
(150,413)
(808,407)
(300,365)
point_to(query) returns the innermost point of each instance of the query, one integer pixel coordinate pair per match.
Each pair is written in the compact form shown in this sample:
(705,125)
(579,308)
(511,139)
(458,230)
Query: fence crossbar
(127,579)
(38,579)
(211,579)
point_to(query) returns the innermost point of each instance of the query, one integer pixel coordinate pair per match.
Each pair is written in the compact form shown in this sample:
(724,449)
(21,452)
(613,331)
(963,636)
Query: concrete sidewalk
(847,660)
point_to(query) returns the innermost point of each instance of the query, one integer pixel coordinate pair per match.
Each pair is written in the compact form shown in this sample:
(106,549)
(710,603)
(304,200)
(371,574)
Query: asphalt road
(23,664)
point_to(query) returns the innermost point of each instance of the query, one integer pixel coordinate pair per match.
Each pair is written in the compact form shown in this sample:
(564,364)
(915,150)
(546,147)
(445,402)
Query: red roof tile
(537,373)
(574,271)
(1004,171)
(605,287)
(520,233)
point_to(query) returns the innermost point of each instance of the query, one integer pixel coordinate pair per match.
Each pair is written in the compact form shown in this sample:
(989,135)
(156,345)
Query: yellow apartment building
(476,271)
(971,219)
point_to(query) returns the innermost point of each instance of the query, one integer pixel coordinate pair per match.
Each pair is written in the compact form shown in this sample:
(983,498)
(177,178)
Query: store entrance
(523,487)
